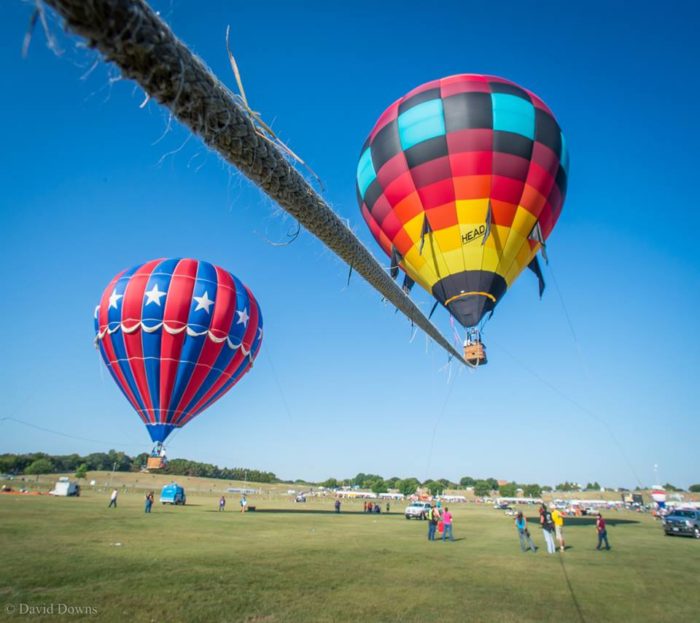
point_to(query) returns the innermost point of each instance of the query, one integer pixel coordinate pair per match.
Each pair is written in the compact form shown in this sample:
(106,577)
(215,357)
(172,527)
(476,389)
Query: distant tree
(408,486)
(120,460)
(359,479)
(81,472)
(378,486)
(40,466)
(509,490)
(98,461)
(669,487)
(66,463)
(435,487)
(592,486)
(532,491)
(566,486)
(139,461)
(331,483)
(391,482)
(546,488)
(467,481)
(447,484)
(12,464)
(482,488)
(694,488)
(493,483)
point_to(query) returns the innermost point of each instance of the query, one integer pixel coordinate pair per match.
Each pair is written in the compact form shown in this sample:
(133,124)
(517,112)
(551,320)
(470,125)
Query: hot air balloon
(176,335)
(461,182)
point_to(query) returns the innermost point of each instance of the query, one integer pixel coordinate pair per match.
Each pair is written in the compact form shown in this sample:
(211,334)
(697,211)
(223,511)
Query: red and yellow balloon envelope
(176,334)
(461,182)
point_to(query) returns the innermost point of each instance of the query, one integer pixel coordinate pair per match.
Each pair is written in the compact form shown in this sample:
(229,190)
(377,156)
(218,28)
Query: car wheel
(696,532)
(407,517)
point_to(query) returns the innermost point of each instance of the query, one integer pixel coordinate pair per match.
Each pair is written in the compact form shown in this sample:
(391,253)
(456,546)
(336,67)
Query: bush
(40,466)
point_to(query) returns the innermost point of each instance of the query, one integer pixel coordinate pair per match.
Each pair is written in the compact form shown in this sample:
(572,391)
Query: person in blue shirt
(149,502)
(526,541)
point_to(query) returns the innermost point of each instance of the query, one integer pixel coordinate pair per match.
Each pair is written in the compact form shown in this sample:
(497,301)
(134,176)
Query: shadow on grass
(587,521)
(308,511)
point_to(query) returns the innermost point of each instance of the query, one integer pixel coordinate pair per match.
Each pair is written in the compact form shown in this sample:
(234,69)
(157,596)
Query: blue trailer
(173,494)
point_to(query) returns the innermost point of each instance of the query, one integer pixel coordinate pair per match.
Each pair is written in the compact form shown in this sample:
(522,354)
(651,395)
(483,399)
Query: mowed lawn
(302,562)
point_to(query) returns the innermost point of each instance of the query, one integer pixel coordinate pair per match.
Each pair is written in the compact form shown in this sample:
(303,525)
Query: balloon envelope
(461,181)
(176,335)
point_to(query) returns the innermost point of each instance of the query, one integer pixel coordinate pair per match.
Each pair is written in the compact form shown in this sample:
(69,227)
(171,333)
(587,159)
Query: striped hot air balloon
(176,335)
(461,182)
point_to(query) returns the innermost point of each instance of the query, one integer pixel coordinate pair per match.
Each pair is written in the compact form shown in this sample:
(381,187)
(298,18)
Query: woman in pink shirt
(447,524)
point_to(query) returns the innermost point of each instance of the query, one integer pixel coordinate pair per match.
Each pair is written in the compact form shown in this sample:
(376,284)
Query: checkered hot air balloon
(176,335)
(461,182)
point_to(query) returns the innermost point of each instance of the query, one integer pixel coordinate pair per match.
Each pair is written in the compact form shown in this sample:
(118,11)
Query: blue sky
(594,382)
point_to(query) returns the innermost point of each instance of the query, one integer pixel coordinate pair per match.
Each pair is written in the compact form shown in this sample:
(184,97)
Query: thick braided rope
(129,34)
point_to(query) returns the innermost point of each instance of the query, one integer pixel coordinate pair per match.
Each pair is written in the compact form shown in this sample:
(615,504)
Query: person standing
(337,505)
(602,532)
(447,524)
(547,529)
(433,517)
(558,520)
(149,502)
(222,503)
(526,541)
(113,499)
(244,503)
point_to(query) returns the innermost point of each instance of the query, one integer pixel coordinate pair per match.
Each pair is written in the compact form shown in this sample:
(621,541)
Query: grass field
(302,562)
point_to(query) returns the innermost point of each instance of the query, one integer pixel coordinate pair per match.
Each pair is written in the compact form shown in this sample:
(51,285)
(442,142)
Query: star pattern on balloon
(203,302)
(154,295)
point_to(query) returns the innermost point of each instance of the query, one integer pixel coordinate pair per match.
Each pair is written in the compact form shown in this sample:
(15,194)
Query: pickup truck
(683,521)
(417,510)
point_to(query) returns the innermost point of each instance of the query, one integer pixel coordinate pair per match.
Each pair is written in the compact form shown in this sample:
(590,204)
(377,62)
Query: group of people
(243,504)
(552,524)
(369,507)
(439,520)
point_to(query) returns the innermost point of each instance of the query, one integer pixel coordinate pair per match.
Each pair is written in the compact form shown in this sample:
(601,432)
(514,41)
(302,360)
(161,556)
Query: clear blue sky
(92,183)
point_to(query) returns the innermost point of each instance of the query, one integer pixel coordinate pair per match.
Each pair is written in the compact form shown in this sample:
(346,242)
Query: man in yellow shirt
(558,520)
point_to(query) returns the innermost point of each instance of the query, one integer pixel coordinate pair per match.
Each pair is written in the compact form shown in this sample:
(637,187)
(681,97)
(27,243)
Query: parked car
(300,498)
(683,521)
(417,510)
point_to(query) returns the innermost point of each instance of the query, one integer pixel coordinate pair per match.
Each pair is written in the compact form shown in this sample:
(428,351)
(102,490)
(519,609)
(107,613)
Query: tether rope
(131,35)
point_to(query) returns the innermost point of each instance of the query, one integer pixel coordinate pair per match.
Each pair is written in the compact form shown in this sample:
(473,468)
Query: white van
(64,487)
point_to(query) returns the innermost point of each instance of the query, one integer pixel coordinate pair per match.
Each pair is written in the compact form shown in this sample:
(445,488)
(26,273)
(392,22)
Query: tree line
(408,486)
(42,463)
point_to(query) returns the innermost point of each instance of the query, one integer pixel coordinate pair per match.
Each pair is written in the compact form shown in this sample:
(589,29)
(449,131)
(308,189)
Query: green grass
(294,562)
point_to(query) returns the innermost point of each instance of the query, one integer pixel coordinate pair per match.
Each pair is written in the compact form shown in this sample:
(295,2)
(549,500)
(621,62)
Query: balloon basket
(155,462)
(475,354)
